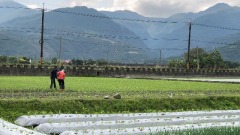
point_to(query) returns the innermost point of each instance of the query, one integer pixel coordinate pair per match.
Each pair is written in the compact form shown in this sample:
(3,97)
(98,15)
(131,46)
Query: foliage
(3,59)
(176,63)
(31,95)
(54,60)
(232,65)
(205,131)
(14,60)
(199,58)
(110,84)
(24,60)
(10,109)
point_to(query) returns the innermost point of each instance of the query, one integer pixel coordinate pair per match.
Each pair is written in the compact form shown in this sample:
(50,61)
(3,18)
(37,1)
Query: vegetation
(31,95)
(199,58)
(110,84)
(207,131)
(14,60)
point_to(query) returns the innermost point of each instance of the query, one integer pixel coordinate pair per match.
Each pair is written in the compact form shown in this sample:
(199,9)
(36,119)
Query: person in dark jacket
(53,77)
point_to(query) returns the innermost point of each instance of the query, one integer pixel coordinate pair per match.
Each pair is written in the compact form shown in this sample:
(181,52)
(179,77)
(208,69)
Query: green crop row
(10,109)
(111,84)
(204,131)
(22,95)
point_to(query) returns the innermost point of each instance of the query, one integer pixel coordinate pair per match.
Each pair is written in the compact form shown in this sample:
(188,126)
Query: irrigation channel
(120,124)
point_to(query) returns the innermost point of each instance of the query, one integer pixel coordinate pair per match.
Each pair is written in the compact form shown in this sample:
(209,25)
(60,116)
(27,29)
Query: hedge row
(12,108)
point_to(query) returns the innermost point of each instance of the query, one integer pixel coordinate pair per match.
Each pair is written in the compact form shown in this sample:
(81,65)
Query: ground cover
(31,95)
(131,123)
(204,131)
(109,84)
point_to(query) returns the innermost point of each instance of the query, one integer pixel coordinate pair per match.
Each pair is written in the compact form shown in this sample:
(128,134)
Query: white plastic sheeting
(133,123)
(148,130)
(123,124)
(59,118)
(7,128)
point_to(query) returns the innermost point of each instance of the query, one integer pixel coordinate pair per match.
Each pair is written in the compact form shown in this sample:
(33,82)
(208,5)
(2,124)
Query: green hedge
(12,108)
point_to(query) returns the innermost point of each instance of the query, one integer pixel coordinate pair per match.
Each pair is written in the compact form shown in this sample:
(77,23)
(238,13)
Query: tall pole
(189,43)
(197,59)
(107,57)
(160,57)
(60,52)
(41,41)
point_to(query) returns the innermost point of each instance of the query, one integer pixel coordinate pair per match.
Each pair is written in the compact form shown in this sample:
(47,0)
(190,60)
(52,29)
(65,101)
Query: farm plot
(31,96)
(132,123)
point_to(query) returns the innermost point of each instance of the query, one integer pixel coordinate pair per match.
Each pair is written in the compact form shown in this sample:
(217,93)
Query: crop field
(31,95)
(96,88)
(110,84)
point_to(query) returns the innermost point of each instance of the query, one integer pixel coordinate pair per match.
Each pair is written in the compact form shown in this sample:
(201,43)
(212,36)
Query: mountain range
(120,36)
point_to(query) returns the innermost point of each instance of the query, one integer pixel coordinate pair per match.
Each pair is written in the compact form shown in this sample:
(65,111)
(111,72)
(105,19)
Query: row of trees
(199,58)
(14,60)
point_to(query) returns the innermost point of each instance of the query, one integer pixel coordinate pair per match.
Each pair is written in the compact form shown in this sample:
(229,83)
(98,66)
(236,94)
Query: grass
(205,131)
(25,95)
(111,84)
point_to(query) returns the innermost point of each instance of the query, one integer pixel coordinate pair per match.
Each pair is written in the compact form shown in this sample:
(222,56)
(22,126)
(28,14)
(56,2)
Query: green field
(111,84)
(24,95)
(205,131)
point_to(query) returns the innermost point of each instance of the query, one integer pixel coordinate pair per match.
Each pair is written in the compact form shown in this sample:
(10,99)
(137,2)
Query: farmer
(53,77)
(61,77)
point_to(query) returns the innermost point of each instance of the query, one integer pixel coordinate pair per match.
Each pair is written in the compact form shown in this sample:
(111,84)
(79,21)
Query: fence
(112,71)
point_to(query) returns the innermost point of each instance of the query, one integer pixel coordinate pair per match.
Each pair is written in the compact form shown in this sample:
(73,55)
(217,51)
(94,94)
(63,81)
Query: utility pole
(60,53)
(41,41)
(197,59)
(189,43)
(160,57)
(107,57)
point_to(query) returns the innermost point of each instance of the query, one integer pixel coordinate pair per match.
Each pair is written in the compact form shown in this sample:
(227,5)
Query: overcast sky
(149,8)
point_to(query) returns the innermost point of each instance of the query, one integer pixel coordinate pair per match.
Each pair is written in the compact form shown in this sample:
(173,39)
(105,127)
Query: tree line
(199,59)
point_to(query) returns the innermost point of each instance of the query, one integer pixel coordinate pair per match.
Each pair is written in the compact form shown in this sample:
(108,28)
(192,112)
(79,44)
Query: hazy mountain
(85,34)
(209,26)
(117,36)
(10,9)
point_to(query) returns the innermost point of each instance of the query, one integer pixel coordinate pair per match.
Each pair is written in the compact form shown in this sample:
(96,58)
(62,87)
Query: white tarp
(33,120)
(98,123)
(123,124)
(7,128)
(148,130)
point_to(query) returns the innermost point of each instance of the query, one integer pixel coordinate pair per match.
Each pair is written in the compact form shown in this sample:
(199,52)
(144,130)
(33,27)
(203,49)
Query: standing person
(61,77)
(53,77)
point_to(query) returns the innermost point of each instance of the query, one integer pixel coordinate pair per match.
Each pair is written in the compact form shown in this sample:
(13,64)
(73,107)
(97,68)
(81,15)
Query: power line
(93,35)
(126,19)
(9,7)
(139,48)
(114,18)
(215,26)
(98,16)
(84,34)
(213,42)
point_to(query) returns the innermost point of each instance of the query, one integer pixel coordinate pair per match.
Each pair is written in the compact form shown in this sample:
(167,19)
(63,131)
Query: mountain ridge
(101,36)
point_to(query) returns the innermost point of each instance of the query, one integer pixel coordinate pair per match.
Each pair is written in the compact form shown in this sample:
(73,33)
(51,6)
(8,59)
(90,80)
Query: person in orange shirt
(61,77)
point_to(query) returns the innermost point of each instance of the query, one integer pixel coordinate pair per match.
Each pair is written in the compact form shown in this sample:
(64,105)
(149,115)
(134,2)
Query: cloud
(163,8)
(160,8)
(152,8)
(32,6)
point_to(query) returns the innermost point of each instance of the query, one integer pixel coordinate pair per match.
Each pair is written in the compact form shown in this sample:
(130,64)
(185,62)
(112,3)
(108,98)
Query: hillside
(14,10)
(121,36)
(172,33)
(83,36)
